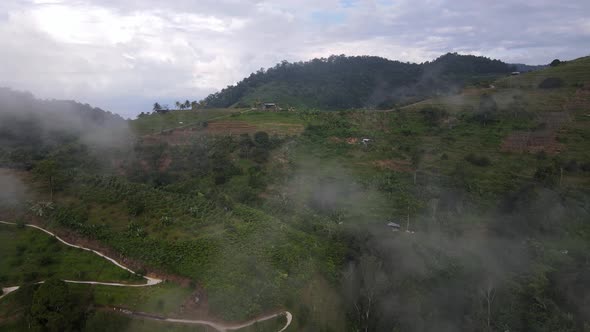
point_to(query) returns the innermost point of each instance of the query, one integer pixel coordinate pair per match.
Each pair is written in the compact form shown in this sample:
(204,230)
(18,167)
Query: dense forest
(342,82)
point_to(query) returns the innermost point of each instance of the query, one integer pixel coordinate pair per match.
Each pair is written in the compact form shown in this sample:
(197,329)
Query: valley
(287,215)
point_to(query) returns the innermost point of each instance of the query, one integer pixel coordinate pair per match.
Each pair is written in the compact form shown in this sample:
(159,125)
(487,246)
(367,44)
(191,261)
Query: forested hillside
(463,212)
(30,128)
(341,82)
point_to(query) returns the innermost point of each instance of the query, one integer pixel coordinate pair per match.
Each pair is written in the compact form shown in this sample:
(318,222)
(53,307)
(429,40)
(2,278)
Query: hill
(298,210)
(31,127)
(341,82)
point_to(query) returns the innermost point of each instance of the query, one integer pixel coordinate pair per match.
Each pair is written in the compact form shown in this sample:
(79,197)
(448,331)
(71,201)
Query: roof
(392,224)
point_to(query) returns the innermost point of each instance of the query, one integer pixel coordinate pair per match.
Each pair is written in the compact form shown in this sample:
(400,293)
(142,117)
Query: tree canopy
(342,82)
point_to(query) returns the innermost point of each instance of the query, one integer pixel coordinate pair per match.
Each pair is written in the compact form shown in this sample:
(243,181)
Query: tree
(194,105)
(555,63)
(488,292)
(187,104)
(364,283)
(262,139)
(48,170)
(487,110)
(432,116)
(157,108)
(178,105)
(54,309)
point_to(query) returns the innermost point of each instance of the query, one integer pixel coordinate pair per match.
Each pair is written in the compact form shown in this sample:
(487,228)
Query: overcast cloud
(122,55)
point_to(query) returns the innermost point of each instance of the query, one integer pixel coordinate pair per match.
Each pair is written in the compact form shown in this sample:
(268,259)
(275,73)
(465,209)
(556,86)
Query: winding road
(221,327)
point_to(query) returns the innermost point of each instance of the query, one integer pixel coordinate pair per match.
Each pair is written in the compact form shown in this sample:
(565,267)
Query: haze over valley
(393,166)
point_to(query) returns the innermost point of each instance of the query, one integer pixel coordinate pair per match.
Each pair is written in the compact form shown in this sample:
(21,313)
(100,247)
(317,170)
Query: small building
(515,73)
(366,141)
(271,107)
(395,227)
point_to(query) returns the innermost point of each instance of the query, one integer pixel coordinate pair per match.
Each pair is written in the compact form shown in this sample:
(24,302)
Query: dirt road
(222,327)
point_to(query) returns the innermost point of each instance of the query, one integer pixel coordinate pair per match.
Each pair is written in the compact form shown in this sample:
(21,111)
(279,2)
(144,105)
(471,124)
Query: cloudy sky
(122,55)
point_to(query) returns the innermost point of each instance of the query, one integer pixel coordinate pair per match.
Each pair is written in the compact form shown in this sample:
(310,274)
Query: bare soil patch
(230,128)
(532,142)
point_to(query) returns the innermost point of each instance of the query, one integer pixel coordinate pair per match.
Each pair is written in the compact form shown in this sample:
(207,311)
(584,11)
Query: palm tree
(157,107)
(178,105)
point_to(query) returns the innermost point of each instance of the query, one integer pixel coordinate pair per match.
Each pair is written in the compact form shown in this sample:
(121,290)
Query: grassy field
(534,100)
(29,255)
(155,123)
(163,299)
(572,73)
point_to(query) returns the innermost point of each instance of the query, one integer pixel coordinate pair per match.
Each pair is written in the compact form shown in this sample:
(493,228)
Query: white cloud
(124,54)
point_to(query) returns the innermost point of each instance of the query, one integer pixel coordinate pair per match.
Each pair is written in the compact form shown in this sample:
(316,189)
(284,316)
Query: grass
(163,299)
(29,255)
(534,100)
(571,72)
(155,123)
(279,123)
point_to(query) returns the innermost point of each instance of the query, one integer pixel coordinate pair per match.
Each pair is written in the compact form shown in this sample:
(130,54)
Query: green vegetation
(106,321)
(341,82)
(156,123)
(489,188)
(29,255)
(572,73)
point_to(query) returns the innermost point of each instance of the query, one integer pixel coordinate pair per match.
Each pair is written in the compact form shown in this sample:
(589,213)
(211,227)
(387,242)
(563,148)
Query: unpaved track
(150,281)
(222,327)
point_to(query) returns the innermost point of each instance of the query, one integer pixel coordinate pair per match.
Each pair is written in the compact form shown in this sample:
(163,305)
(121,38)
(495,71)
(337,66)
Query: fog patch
(14,191)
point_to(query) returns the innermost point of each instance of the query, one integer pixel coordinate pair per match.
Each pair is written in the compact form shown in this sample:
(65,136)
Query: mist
(14,191)
(55,121)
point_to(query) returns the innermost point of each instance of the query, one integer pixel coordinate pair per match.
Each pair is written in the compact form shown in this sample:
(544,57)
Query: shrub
(262,139)
(432,115)
(45,260)
(555,63)
(546,175)
(135,205)
(551,83)
(477,160)
(141,272)
(487,110)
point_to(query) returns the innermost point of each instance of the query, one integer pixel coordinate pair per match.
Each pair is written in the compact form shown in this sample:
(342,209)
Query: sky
(123,55)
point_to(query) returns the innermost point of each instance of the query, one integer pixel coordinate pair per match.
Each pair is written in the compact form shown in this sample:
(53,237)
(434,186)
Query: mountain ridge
(347,82)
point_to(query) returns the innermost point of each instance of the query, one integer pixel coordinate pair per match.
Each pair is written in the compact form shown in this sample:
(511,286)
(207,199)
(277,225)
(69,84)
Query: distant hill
(29,127)
(571,73)
(342,82)
(551,89)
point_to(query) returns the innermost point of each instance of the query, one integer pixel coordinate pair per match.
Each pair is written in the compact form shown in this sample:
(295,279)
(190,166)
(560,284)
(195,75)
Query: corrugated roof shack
(269,107)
